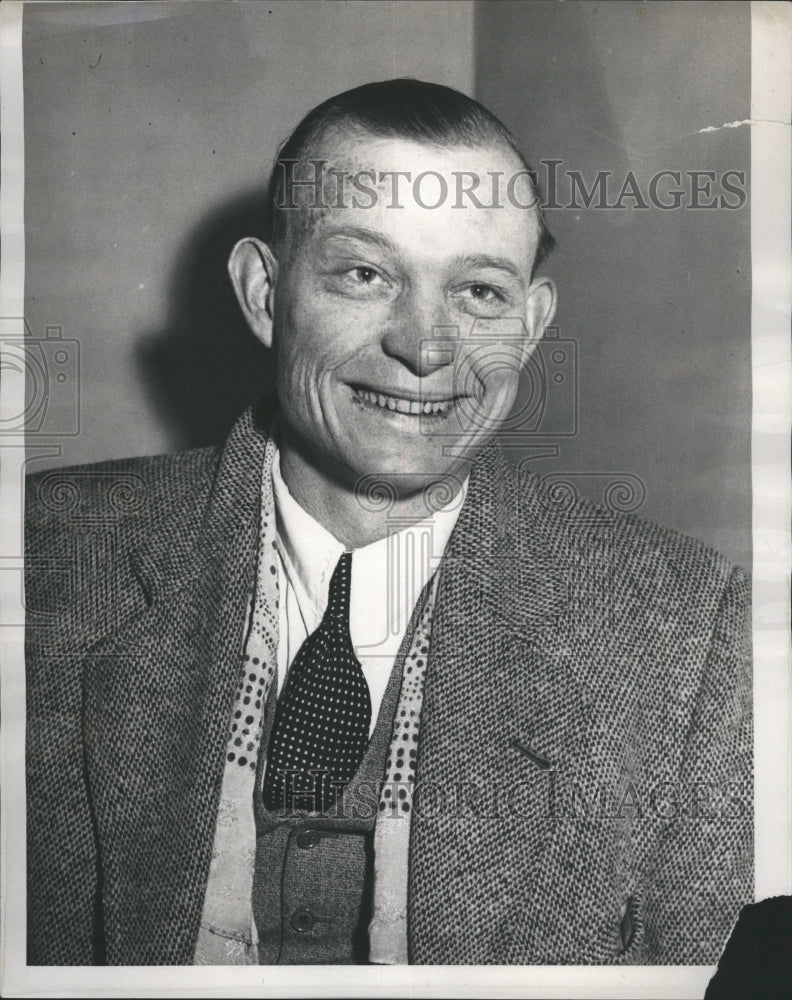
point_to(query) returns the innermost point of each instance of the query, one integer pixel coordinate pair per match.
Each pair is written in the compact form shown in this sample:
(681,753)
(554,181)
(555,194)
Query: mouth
(401,404)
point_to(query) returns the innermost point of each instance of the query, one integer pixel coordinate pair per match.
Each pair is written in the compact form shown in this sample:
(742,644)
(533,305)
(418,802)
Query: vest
(313,879)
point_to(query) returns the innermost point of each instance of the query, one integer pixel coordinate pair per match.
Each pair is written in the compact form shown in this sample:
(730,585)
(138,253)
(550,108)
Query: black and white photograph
(395,444)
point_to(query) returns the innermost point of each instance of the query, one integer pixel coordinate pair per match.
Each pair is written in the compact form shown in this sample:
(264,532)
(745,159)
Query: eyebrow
(374,238)
(358,233)
(485,260)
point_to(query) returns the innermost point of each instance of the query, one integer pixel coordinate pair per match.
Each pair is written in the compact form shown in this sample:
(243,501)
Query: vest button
(306,839)
(302,920)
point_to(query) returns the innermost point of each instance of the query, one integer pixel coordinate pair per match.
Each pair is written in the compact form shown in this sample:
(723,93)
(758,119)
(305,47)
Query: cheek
(312,346)
(490,373)
(300,347)
(500,395)
(317,335)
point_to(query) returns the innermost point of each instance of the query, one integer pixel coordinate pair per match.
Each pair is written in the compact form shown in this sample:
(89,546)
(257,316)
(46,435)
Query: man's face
(400,332)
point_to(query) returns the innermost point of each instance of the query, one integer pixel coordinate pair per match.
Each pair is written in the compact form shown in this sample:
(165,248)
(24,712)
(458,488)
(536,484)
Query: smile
(398,404)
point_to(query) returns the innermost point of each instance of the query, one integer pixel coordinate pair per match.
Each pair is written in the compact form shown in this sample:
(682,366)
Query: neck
(352,519)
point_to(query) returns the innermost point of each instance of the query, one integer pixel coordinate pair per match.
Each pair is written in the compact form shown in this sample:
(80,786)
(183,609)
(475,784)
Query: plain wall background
(150,130)
(658,302)
(150,134)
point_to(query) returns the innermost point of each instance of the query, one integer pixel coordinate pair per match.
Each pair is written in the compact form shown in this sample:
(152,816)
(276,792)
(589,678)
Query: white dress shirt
(387,579)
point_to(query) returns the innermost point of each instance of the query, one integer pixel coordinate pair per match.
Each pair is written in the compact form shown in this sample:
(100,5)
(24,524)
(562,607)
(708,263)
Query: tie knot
(338,597)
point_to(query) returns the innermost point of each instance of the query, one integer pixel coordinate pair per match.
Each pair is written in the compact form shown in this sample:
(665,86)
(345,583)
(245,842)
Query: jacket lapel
(503,715)
(158,694)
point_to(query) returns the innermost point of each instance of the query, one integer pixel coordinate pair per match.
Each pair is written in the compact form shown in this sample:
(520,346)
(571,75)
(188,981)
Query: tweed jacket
(583,785)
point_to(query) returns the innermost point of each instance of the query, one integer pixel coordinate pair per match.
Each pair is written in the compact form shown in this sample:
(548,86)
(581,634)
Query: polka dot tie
(321,727)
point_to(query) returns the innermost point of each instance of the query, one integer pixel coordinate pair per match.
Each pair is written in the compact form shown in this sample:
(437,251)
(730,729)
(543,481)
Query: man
(263,730)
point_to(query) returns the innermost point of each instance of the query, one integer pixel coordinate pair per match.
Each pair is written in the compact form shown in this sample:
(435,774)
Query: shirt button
(306,839)
(302,920)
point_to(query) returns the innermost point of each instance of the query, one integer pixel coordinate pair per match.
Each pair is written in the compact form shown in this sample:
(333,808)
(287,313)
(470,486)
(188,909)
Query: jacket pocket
(631,931)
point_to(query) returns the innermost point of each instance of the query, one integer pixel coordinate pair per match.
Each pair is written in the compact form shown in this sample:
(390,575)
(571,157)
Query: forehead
(424,199)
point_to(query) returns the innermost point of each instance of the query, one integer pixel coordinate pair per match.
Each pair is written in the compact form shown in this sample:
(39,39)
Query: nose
(420,334)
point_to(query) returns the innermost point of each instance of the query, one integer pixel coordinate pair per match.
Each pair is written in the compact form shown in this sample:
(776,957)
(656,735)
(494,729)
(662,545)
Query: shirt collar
(395,568)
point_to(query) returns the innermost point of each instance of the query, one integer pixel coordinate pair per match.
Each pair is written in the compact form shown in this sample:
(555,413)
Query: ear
(253,271)
(539,311)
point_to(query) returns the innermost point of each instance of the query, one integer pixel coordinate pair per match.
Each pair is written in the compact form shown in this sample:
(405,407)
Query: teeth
(409,406)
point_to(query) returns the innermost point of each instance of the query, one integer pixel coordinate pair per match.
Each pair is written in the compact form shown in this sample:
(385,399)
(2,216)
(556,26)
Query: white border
(12,458)
(771,320)
(771,92)
(547,982)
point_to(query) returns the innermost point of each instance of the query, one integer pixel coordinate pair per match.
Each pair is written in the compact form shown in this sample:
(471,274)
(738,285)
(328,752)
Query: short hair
(403,108)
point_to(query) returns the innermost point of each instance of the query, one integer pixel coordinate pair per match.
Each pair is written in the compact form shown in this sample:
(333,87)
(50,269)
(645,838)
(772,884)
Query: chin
(401,478)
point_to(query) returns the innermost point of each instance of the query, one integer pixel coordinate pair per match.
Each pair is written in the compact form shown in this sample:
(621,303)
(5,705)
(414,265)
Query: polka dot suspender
(233,866)
(388,926)
(261,649)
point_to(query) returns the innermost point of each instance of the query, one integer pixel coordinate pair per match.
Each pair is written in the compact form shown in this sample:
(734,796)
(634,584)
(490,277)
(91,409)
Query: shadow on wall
(206,366)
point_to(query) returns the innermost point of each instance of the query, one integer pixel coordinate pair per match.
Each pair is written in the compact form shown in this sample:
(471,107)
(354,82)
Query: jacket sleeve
(62,881)
(702,872)
(61,853)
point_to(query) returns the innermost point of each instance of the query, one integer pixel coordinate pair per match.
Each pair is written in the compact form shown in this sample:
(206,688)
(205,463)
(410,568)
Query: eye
(481,299)
(352,279)
(364,275)
(483,293)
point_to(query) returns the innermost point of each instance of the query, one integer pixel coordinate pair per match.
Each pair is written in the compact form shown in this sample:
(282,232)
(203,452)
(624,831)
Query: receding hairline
(429,114)
(355,132)
(326,147)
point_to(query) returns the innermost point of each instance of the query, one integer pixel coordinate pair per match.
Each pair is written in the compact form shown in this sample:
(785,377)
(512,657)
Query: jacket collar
(492,546)
(499,556)
(214,530)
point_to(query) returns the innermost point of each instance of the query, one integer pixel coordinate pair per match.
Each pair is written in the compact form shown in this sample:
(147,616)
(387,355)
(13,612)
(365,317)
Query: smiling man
(349,689)
(377,309)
